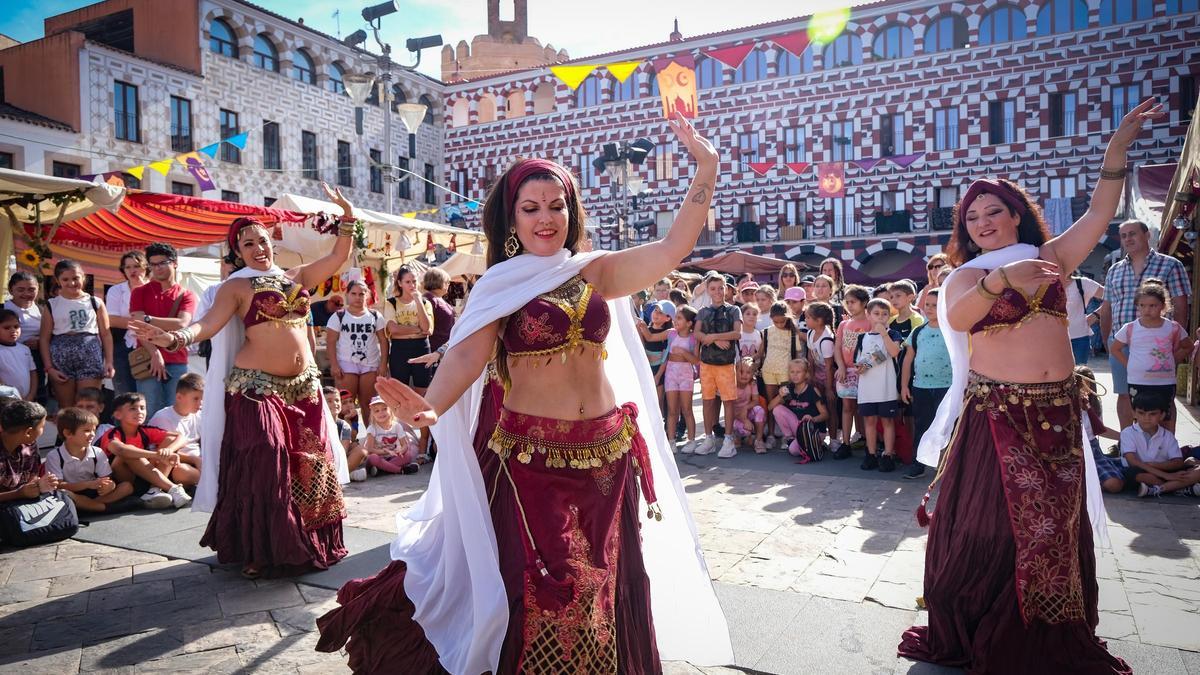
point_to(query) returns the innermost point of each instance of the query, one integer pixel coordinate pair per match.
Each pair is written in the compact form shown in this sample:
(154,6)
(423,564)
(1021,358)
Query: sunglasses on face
(935,266)
(788,274)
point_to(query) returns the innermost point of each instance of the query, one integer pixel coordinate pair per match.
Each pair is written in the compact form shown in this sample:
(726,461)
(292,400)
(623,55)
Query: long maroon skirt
(590,612)
(1010,572)
(279,504)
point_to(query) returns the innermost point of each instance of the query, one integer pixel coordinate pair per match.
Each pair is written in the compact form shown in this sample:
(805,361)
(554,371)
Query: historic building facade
(1027,90)
(137,81)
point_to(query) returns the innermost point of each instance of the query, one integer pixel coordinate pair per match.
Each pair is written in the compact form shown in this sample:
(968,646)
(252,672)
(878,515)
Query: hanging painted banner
(572,76)
(866,164)
(795,43)
(731,56)
(677,85)
(905,161)
(831,179)
(453,243)
(203,179)
(211,150)
(798,168)
(238,141)
(183,159)
(622,71)
(761,168)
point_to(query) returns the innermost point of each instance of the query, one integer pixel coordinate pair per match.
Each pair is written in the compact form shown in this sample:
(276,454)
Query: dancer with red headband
(1010,568)
(273,465)
(555,535)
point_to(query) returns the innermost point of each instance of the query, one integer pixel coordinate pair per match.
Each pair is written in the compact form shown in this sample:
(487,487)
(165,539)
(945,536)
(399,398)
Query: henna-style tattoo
(702,190)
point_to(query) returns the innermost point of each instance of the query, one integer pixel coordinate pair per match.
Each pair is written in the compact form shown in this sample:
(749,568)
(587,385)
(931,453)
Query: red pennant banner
(731,56)
(761,168)
(866,164)
(831,179)
(798,168)
(795,43)
(904,161)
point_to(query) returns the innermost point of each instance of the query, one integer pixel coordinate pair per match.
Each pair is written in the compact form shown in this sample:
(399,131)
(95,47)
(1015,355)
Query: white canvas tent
(463,263)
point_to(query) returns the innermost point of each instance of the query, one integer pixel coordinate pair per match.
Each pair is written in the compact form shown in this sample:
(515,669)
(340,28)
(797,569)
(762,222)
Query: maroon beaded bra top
(279,300)
(1014,308)
(571,319)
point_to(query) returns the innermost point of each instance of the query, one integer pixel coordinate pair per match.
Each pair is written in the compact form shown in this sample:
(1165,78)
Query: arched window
(398,96)
(461,112)
(1060,16)
(625,91)
(428,103)
(708,73)
(487,109)
(893,42)
(1003,24)
(753,68)
(946,32)
(789,64)
(1124,11)
(221,39)
(265,54)
(303,68)
(515,104)
(653,81)
(1180,6)
(335,76)
(543,98)
(588,93)
(846,50)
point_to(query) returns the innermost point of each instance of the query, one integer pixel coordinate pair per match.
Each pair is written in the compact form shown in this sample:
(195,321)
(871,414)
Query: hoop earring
(512,246)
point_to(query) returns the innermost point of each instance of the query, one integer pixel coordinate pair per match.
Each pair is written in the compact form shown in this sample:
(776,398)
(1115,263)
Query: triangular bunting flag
(573,76)
(472,206)
(761,168)
(904,161)
(795,43)
(731,56)
(409,214)
(866,164)
(161,166)
(798,168)
(238,141)
(211,150)
(136,171)
(621,71)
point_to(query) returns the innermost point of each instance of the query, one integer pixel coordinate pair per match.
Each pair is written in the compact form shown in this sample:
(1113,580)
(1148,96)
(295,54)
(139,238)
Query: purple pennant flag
(866,164)
(203,179)
(904,161)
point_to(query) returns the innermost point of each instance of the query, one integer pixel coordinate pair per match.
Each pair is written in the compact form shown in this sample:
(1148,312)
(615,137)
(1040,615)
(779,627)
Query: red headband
(531,167)
(991,186)
(236,227)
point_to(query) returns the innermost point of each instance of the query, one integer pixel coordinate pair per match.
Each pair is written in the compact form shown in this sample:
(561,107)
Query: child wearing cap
(795,297)
(391,446)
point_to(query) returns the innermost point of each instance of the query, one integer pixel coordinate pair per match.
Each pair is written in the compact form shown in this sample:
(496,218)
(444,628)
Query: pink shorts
(679,376)
(756,415)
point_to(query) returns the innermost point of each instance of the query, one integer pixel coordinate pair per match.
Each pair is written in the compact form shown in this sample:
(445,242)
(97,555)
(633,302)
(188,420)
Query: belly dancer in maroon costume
(1010,578)
(563,465)
(271,470)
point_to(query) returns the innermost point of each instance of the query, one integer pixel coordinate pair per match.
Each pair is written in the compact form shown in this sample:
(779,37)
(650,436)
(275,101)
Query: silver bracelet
(444,348)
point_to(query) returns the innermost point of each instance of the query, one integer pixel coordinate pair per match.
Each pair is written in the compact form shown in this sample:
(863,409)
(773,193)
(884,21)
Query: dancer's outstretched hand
(1131,125)
(698,146)
(406,404)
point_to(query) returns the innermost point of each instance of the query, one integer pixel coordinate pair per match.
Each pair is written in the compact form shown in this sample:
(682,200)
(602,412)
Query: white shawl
(225,346)
(938,436)
(447,538)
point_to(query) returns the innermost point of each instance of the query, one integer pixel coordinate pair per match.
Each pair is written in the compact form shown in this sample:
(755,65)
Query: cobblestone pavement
(818,568)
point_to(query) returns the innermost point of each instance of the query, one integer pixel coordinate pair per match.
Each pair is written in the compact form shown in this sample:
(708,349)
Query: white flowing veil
(449,544)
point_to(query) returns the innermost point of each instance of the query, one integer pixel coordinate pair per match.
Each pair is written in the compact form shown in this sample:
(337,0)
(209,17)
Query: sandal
(251,573)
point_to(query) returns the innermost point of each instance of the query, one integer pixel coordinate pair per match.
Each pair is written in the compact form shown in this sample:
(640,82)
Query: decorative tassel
(922,514)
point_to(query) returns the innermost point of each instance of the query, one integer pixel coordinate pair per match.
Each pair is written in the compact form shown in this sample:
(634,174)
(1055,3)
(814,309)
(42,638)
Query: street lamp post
(617,161)
(358,87)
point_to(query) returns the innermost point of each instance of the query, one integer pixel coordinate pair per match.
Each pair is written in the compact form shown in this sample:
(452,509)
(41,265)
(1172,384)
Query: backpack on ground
(46,519)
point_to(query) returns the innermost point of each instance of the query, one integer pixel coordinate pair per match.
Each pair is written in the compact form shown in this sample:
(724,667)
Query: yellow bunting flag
(410,214)
(573,76)
(621,71)
(161,166)
(136,171)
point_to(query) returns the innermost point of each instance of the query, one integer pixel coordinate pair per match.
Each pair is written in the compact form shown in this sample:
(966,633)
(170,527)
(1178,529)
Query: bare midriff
(1035,351)
(275,349)
(560,390)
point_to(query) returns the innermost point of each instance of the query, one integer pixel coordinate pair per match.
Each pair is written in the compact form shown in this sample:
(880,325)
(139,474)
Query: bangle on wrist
(983,290)
(1004,276)
(1113,174)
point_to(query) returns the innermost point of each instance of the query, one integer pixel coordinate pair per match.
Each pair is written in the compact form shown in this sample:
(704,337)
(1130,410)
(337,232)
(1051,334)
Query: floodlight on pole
(355,39)
(375,12)
(417,44)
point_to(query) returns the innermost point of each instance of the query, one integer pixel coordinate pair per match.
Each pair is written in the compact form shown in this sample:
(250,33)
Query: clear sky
(582,28)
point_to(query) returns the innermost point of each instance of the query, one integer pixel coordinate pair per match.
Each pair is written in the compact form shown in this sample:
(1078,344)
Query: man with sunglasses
(165,304)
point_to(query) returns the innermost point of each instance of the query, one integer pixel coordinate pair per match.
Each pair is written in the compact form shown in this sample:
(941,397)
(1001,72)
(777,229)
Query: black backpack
(46,519)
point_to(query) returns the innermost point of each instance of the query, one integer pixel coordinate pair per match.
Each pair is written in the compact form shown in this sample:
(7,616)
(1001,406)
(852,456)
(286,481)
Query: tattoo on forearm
(702,193)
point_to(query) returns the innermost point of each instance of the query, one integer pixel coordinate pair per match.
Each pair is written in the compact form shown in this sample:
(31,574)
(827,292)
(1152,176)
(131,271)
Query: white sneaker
(359,475)
(705,445)
(728,449)
(157,499)
(772,442)
(179,497)
(688,447)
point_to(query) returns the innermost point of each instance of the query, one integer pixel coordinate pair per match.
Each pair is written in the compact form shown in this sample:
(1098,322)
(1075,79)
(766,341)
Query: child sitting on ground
(1112,479)
(356,455)
(878,396)
(799,410)
(21,474)
(184,418)
(749,416)
(390,446)
(91,399)
(1151,454)
(149,453)
(83,470)
(17,368)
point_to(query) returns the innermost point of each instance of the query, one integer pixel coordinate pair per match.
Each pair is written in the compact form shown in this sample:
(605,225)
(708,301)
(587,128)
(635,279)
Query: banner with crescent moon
(677,86)
(831,179)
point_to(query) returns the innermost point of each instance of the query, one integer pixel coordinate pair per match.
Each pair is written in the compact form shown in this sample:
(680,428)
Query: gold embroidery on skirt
(314,485)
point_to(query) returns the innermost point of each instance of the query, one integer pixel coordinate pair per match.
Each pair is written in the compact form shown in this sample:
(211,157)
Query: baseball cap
(807,279)
(665,306)
(794,294)
(376,399)
(748,284)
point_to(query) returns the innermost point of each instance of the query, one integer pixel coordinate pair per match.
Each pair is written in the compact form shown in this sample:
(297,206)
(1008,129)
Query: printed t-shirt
(877,384)
(405,314)
(931,360)
(802,402)
(1151,351)
(357,342)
